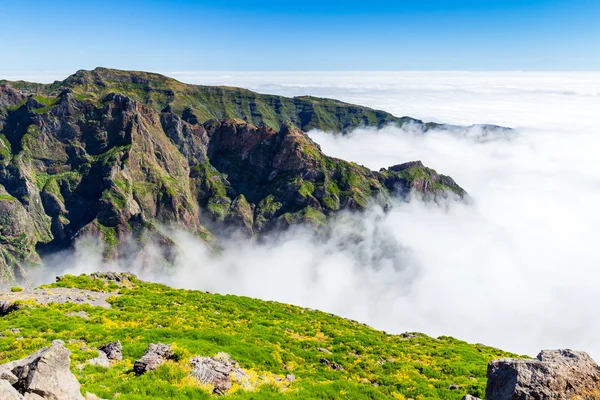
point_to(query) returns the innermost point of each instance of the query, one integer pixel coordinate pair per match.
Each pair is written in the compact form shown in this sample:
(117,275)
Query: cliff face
(111,154)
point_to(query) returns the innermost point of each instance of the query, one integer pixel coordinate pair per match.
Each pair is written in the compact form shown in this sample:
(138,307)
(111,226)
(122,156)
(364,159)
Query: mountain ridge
(218,102)
(90,162)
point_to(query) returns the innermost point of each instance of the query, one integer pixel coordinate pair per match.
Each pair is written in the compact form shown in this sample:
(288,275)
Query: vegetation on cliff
(217,102)
(113,155)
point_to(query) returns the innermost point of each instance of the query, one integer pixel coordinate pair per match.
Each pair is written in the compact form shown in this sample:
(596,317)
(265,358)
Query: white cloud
(516,268)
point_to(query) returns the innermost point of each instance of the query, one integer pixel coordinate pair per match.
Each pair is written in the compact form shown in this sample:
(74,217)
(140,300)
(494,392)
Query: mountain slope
(328,356)
(220,102)
(77,164)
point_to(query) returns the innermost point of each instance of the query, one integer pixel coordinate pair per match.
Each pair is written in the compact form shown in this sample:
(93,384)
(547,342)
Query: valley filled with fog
(515,267)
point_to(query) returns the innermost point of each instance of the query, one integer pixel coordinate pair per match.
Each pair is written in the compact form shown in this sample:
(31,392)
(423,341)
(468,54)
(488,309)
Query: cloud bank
(516,268)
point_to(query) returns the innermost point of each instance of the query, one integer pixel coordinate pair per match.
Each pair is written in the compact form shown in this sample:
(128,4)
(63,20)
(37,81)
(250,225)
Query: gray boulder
(154,356)
(101,361)
(217,371)
(555,374)
(469,397)
(113,350)
(45,374)
(8,392)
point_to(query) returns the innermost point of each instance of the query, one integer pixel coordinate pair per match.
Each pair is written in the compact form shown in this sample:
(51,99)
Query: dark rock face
(555,374)
(331,364)
(79,160)
(9,96)
(154,356)
(406,165)
(113,350)
(43,375)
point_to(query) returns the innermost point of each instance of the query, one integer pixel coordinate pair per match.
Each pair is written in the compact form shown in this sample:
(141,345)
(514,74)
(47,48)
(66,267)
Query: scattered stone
(58,296)
(453,387)
(122,279)
(14,330)
(155,355)
(409,335)
(322,350)
(383,361)
(290,377)
(469,397)
(6,307)
(102,360)
(113,350)
(331,364)
(45,374)
(555,374)
(159,326)
(80,314)
(217,371)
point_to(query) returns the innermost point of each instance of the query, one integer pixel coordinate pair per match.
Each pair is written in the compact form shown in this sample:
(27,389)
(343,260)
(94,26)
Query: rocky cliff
(112,154)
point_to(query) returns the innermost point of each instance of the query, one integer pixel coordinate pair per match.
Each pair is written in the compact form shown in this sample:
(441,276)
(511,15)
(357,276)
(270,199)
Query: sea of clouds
(517,267)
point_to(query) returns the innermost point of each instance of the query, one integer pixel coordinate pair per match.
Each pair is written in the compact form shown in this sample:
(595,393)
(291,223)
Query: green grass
(267,338)
(48,103)
(7,197)
(306,188)
(109,235)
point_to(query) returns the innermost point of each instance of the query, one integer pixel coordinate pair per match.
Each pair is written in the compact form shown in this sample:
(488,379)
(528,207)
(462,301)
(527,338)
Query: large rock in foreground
(43,375)
(555,374)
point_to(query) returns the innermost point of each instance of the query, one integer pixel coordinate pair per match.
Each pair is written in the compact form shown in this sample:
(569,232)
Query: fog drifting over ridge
(517,268)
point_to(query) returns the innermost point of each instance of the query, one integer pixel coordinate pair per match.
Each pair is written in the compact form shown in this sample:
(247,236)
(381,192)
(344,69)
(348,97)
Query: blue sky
(183,35)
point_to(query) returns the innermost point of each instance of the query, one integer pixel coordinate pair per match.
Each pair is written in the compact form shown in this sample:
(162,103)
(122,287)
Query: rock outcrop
(113,350)
(154,356)
(555,374)
(55,295)
(101,361)
(218,371)
(42,375)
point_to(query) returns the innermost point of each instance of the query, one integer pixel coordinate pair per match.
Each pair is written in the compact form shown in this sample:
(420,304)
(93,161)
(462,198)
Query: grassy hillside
(268,339)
